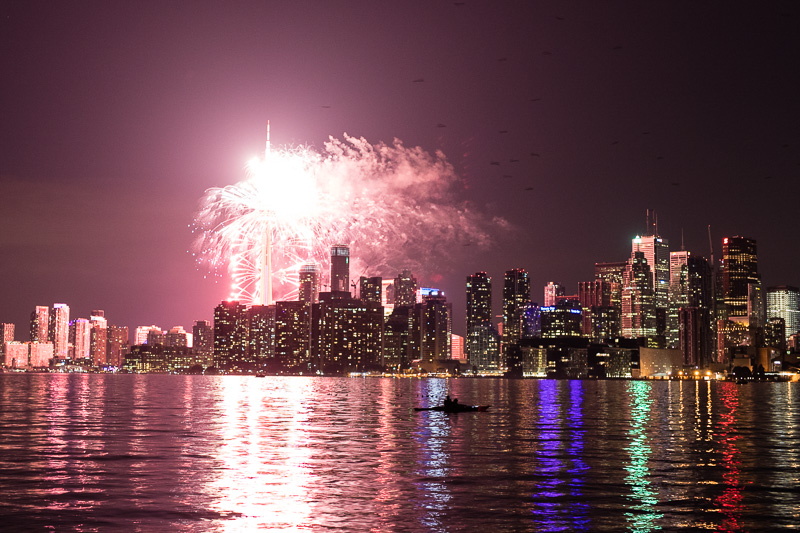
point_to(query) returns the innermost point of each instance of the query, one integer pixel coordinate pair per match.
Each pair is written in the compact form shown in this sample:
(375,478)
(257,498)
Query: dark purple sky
(116,116)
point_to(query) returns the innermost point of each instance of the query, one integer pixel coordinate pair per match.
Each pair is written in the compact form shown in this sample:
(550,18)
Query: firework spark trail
(394,206)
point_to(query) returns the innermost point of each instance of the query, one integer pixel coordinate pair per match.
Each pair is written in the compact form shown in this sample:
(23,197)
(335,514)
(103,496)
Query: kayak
(454,408)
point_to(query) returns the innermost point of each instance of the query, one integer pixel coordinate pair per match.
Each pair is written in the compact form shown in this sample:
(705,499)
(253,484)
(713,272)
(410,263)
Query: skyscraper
(638,300)
(230,337)
(405,289)
(292,334)
(551,293)
(40,323)
(340,268)
(309,283)
(61,331)
(203,341)
(6,335)
(516,296)
(261,336)
(739,269)
(481,352)
(99,338)
(83,340)
(435,315)
(117,345)
(784,302)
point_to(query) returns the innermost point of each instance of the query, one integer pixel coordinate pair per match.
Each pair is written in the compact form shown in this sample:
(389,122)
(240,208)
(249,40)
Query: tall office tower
(387,296)
(397,338)
(638,299)
(739,269)
(592,294)
(516,295)
(678,294)
(775,334)
(40,323)
(435,317)
(783,302)
(479,317)
(99,338)
(203,341)
(612,273)
(117,345)
(340,268)
(551,293)
(690,336)
(756,305)
(230,337)
(656,252)
(309,283)
(292,336)
(83,340)
(6,335)
(349,335)
(695,291)
(262,333)
(405,289)
(369,289)
(61,331)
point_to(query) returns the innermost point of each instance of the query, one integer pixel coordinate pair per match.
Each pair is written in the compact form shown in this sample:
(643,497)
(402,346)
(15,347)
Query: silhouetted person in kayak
(447,401)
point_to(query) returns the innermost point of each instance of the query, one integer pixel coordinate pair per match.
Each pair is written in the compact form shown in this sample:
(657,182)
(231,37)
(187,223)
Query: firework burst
(394,206)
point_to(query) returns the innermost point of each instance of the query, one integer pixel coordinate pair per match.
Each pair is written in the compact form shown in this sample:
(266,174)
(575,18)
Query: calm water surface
(202,453)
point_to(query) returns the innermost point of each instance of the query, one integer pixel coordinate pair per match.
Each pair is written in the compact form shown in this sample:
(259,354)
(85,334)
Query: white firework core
(394,206)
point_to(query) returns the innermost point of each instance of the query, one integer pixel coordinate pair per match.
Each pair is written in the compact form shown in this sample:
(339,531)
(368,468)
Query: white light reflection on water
(263,475)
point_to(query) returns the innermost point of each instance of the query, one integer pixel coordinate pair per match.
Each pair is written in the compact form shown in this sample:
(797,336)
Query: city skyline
(117,119)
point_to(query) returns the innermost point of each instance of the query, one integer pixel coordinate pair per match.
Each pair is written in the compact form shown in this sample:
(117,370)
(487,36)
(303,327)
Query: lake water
(229,453)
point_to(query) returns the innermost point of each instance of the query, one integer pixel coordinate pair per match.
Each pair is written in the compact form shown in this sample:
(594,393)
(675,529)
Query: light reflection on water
(195,453)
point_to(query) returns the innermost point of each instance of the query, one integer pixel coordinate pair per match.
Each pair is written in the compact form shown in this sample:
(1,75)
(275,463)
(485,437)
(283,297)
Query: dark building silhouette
(397,338)
(405,289)
(739,270)
(117,345)
(308,290)
(482,349)
(340,268)
(370,289)
(433,327)
(230,337)
(516,296)
(564,319)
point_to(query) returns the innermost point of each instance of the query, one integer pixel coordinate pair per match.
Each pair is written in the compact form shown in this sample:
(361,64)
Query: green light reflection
(642,514)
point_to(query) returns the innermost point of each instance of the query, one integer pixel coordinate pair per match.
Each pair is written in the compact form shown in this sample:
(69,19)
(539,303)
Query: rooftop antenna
(683,248)
(711,246)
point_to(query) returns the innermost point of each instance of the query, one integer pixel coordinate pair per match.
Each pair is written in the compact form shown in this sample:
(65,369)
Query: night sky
(116,117)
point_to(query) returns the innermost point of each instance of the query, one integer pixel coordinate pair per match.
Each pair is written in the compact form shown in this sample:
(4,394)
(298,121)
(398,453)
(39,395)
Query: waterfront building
(60,321)
(516,295)
(292,335)
(116,345)
(397,338)
(479,317)
(405,289)
(434,326)
(141,333)
(83,341)
(99,338)
(340,268)
(6,335)
(784,302)
(156,337)
(230,337)
(739,270)
(370,289)
(261,334)
(678,294)
(456,347)
(177,337)
(308,290)
(605,323)
(203,342)
(349,335)
(775,334)
(16,354)
(40,324)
